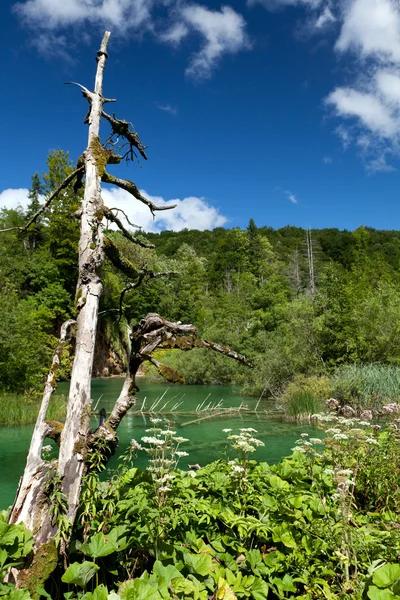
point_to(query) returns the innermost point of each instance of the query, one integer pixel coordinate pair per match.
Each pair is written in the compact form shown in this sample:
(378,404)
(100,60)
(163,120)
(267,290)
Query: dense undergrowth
(323,523)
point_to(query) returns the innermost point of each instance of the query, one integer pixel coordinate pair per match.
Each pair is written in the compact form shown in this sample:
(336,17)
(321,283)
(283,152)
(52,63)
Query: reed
(301,405)
(20,410)
(367,386)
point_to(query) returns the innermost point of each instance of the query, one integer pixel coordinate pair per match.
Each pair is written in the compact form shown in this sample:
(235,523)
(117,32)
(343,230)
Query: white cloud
(281,4)
(54,14)
(168,108)
(291,197)
(190,213)
(325,18)
(367,107)
(221,31)
(371,34)
(175,34)
(13,198)
(371,28)
(327,160)
(344,135)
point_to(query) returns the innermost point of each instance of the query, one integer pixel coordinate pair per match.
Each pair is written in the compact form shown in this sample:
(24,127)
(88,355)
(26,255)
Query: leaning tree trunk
(34,496)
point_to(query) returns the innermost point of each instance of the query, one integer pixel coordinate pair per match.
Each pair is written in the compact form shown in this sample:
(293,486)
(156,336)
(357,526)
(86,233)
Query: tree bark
(34,499)
(89,288)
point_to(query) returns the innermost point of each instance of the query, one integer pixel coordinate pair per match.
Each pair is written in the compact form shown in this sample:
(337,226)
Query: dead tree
(53,488)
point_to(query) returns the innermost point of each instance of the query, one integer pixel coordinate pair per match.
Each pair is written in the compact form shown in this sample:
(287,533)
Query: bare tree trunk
(33,499)
(76,429)
(310,257)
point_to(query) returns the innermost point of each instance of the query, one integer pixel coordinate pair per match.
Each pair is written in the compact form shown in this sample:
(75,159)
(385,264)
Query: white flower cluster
(135,445)
(163,446)
(244,442)
(307,446)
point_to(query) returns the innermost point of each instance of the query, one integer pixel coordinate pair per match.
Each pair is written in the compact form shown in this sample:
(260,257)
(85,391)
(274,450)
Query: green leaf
(8,533)
(259,589)
(42,592)
(169,572)
(138,589)
(19,595)
(98,546)
(80,573)
(198,563)
(224,591)
(278,483)
(374,593)
(387,575)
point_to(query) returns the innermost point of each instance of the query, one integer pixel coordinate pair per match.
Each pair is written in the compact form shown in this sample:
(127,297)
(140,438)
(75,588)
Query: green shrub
(366,386)
(305,396)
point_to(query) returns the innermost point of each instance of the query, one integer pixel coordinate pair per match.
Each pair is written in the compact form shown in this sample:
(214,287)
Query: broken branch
(121,128)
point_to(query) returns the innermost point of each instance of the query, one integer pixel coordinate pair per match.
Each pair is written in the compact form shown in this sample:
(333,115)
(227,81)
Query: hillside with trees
(294,301)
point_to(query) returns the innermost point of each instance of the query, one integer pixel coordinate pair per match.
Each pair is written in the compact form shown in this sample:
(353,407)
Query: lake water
(207,441)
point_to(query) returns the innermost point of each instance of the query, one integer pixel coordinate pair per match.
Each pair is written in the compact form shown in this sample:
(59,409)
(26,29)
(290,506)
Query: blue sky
(286,111)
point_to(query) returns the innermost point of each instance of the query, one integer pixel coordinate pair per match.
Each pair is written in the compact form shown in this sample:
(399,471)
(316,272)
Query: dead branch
(85,92)
(125,215)
(132,189)
(154,332)
(113,253)
(127,234)
(122,128)
(49,200)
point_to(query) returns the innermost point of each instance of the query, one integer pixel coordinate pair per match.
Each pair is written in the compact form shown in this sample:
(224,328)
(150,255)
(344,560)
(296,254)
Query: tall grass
(367,386)
(301,405)
(20,410)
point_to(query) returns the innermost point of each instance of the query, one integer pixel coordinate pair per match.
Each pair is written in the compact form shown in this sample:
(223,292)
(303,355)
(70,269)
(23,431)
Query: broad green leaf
(387,575)
(375,593)
(224,591)
(100,593)
(198,563)
(138,589)
(278,483)
(254,558)
(217,545)
(98,546)
(8,533)
(80,573)
(169,572)
(259,589)
(42,592)
(19,595)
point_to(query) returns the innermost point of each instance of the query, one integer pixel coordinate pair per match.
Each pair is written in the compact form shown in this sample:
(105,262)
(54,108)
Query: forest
(311,309)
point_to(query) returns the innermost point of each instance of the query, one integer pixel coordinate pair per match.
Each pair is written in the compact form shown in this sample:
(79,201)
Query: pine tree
(34,236)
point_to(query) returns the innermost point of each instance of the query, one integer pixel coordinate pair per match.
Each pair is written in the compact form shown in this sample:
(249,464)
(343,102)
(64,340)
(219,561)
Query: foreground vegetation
(323,523)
